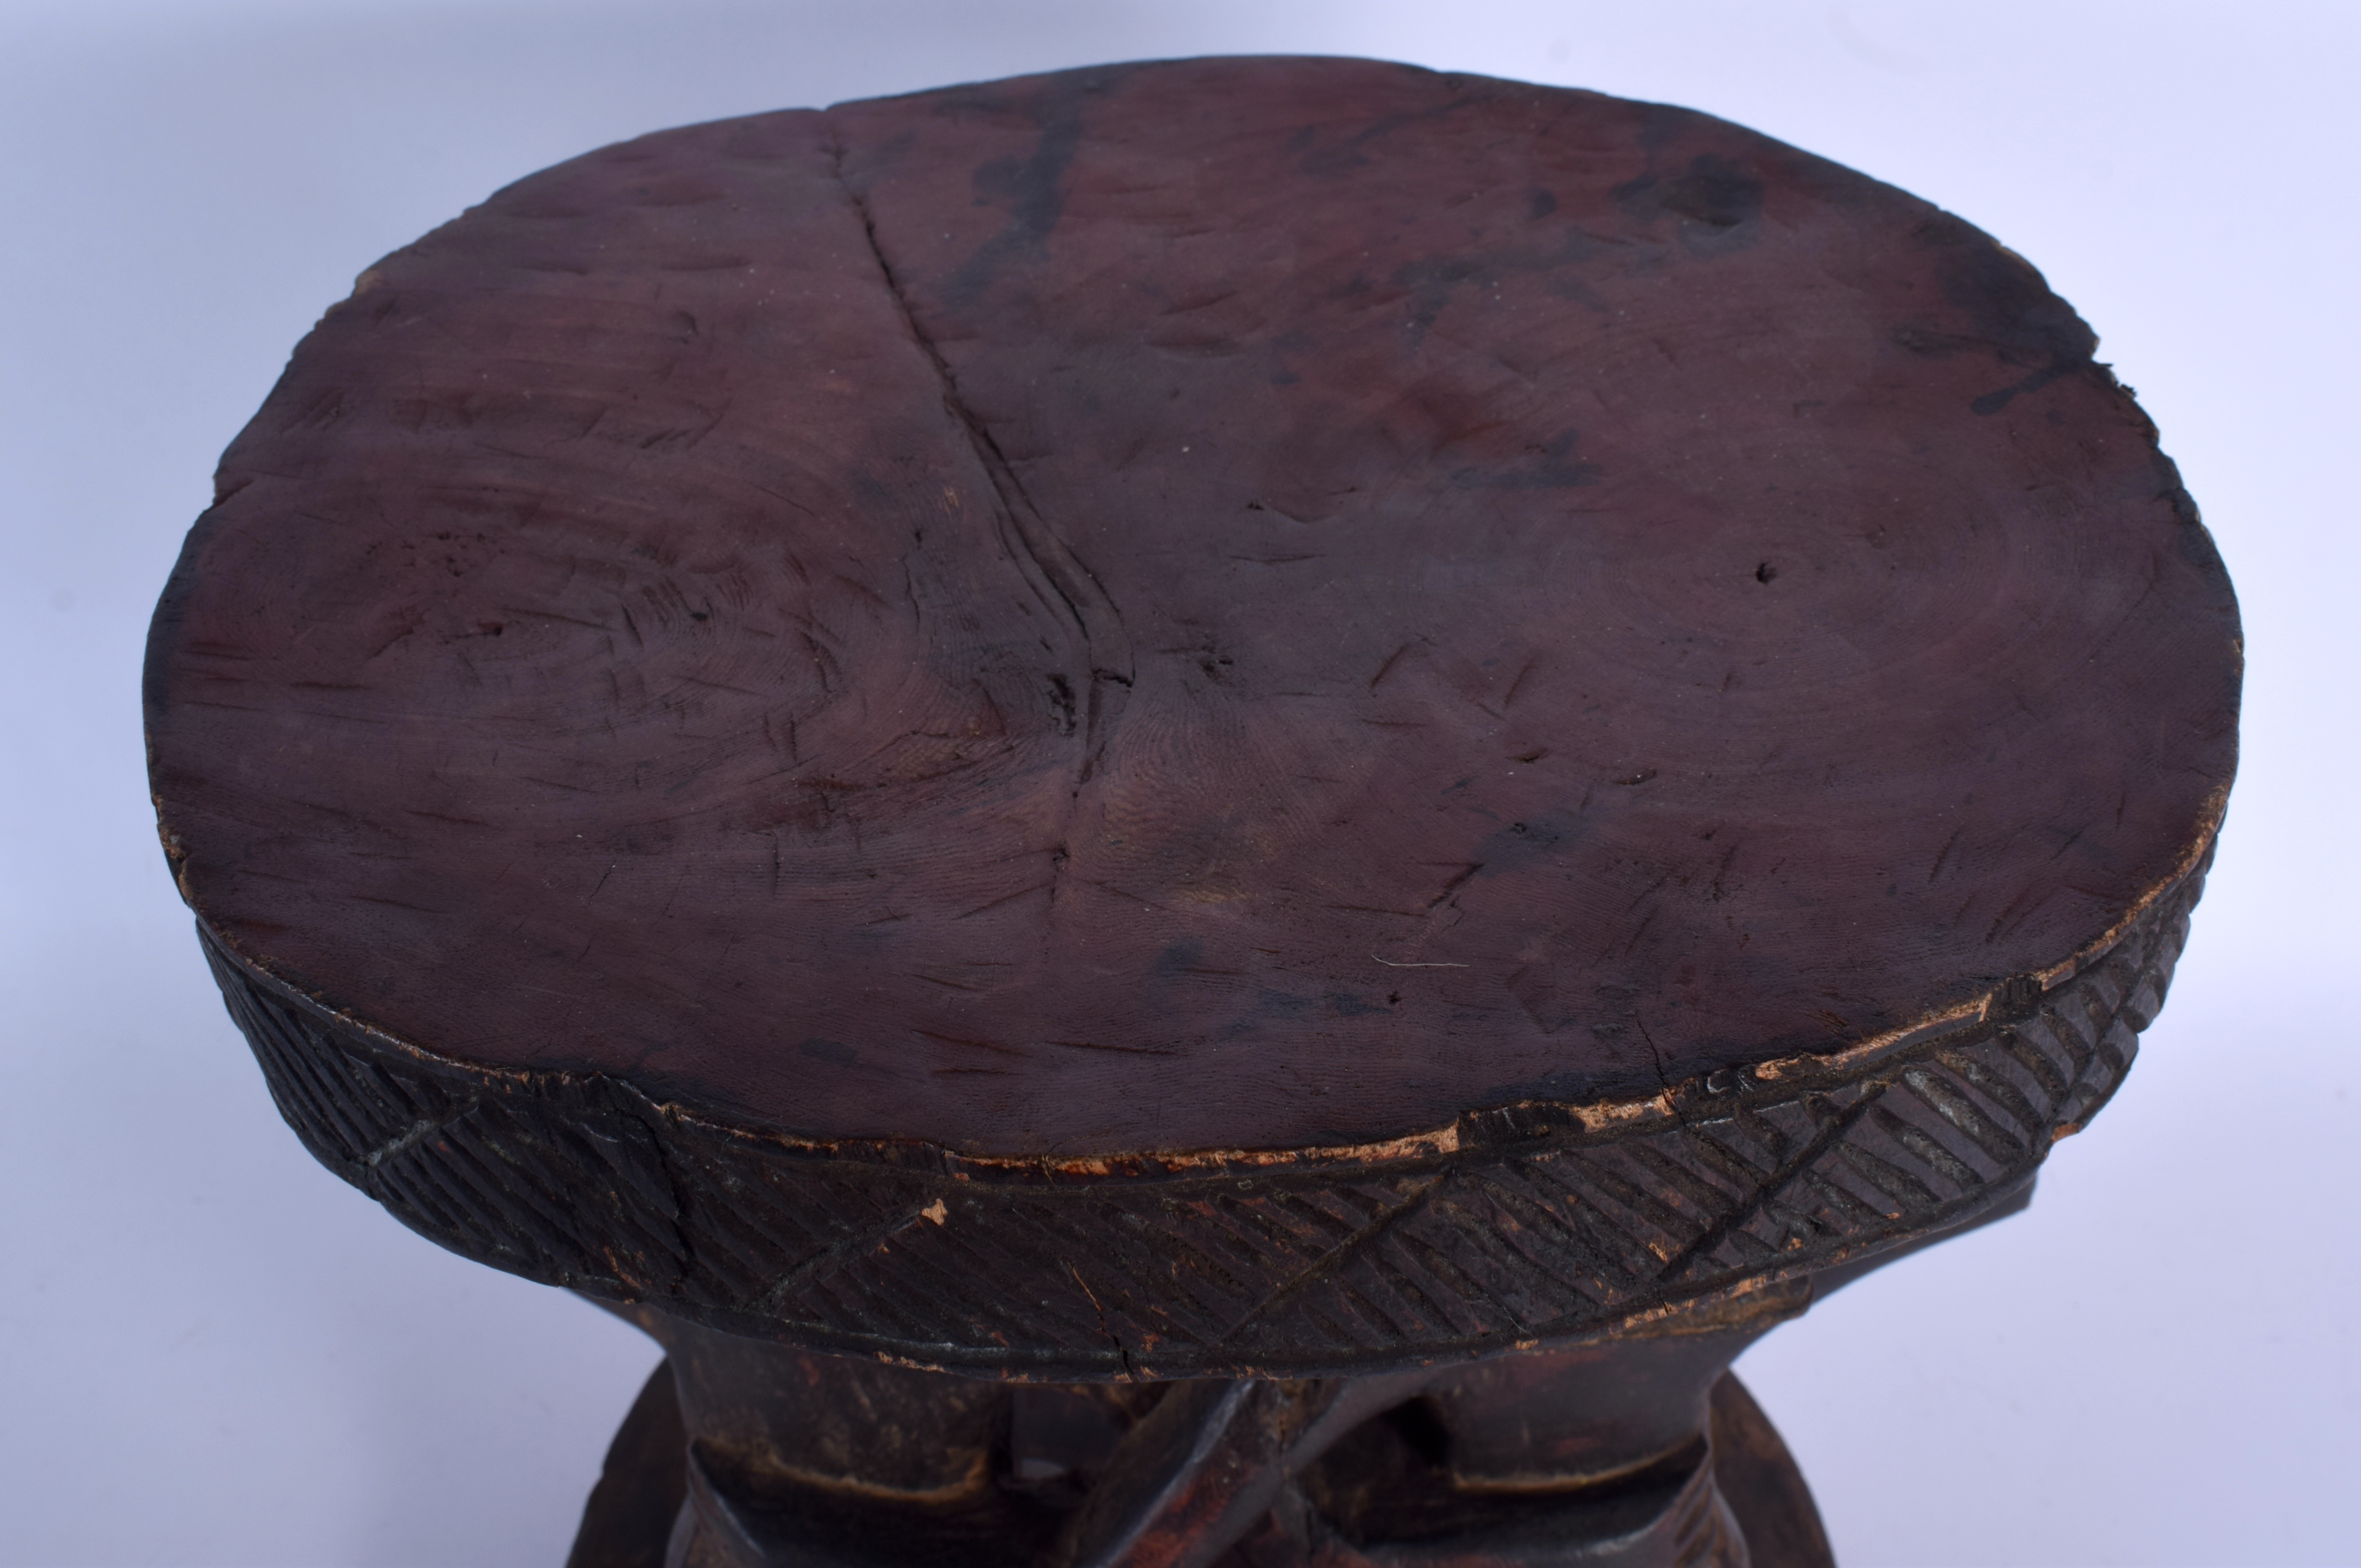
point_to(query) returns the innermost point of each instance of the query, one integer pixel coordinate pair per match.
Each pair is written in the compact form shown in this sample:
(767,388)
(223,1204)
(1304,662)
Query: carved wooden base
(1642,1453)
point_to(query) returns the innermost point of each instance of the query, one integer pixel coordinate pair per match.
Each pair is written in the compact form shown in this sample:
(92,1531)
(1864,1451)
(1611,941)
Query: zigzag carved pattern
(1292,1270)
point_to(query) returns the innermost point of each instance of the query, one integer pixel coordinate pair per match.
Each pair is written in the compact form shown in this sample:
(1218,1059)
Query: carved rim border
(1515,1226)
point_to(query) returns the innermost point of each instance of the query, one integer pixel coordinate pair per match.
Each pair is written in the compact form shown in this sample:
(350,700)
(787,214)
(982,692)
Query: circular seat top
(1219,604)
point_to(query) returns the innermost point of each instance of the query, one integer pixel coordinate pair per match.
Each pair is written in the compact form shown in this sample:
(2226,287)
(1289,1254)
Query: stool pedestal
(740,1453)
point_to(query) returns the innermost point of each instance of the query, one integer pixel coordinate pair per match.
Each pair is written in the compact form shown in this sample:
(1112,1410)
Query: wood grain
(1226,605)
(1244,717)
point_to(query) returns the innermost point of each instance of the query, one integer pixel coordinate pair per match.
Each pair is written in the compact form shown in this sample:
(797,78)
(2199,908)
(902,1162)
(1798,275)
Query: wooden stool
(1204,812)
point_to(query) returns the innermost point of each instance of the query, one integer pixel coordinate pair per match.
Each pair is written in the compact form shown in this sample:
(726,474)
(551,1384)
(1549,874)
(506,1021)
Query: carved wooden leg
(1642,1452)
(627,1522)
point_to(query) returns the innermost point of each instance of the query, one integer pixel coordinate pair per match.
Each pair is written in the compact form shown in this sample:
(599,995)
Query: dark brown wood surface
(1236,604)
(1512,1229)
(1645,1453)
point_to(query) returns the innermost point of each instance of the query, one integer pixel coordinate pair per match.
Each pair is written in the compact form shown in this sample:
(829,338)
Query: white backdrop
(214,1353)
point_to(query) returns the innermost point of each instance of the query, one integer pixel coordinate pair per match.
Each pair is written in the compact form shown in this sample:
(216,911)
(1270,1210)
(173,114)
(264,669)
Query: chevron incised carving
(1460,1246)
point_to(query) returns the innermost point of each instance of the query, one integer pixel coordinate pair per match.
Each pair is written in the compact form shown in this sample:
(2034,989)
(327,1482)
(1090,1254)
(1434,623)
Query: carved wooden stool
(1208,812)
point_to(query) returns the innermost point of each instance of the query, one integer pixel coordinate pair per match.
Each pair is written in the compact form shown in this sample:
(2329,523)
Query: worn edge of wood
(1515,1227)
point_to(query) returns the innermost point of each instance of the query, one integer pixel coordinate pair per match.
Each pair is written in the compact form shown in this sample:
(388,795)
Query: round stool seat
(1245,716)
